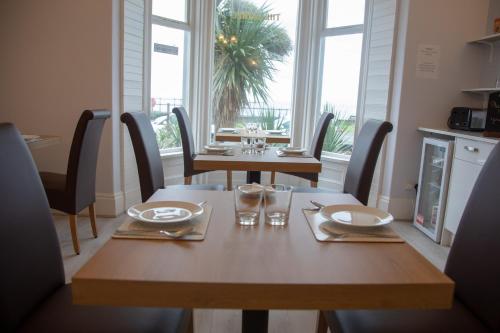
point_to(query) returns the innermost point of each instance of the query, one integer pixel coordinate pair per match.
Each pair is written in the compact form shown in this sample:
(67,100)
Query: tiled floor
(224,321)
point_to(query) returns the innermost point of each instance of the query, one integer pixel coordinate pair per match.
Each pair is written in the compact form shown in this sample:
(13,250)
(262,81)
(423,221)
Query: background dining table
(260,267)
(235,136)
(255,163)
(43,141)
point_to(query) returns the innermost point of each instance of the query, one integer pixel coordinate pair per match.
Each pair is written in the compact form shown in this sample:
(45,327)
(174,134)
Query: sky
(341,61)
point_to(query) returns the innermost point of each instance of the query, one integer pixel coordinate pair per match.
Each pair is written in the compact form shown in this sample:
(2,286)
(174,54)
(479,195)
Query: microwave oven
(467,119)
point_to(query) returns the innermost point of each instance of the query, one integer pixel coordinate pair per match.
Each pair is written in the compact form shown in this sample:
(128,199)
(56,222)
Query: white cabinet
(468,160)
(471,152)
(463,177)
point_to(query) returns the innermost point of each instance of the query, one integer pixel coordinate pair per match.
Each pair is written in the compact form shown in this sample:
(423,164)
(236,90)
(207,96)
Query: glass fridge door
(432,190)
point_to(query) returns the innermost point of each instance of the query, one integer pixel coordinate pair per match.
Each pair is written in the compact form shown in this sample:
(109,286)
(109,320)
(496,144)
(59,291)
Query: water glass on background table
(260,145)
(247,200)
(252,127)
(277,200)
(247,144)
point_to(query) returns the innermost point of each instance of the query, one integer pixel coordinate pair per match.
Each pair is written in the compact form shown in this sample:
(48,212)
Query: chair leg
(314,184)
(92,219)
(321,325)
(188,180)
(190,328)
(74,235)
(273,177)
(229,180)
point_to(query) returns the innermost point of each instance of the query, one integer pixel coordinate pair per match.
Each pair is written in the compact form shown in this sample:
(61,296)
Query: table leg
(253,177)
(255,321)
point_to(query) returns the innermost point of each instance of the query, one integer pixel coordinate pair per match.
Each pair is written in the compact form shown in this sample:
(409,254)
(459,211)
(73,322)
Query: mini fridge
(433,180)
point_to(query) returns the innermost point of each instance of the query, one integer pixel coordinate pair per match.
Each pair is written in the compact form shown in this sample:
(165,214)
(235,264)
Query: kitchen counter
(477,136)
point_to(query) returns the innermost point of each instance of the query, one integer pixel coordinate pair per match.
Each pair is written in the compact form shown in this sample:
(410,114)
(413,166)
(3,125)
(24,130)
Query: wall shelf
(481,90)
(487,39)
(490,41)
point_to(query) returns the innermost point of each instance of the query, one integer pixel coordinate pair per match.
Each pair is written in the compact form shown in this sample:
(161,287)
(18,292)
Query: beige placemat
(317,223)
(133,229)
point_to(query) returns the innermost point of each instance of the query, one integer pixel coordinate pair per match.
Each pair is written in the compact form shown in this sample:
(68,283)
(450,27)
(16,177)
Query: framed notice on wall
(428,58)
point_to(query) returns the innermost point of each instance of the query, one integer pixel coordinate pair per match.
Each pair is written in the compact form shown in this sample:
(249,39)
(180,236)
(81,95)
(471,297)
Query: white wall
(427,102)
(59,58)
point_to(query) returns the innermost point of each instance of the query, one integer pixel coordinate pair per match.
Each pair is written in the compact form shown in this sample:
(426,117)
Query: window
(170,39)
(254,54)
(342,44)
(249,62)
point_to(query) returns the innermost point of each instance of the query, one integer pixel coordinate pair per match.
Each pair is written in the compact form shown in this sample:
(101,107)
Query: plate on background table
(165,212)
(293,150)
(29,137)
(228,130)
(275,132)
(216,148)
(356,215)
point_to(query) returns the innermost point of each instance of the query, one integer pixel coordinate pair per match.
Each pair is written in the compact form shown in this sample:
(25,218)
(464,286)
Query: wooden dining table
(238,133)
(43,141)
(255,163)
(261,267)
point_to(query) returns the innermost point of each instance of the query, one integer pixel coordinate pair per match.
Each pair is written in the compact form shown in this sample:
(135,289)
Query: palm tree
(336,139)
(247,45)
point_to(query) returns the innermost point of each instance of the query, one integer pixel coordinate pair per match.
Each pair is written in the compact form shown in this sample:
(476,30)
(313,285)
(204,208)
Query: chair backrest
(187,140)
(473,260)
(147,153)
(316,147)
(30,256)
(82,164)
(364,157)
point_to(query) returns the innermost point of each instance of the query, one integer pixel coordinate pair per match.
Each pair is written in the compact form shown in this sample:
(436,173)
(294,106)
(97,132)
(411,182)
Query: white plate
(227,130)
(293,150)
(30,137)
(216,148)
(274,131)
(164,212)
(356,215)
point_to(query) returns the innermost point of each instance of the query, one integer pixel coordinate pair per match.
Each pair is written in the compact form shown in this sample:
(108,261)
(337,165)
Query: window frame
(149,20)
(342,31)
(310,37)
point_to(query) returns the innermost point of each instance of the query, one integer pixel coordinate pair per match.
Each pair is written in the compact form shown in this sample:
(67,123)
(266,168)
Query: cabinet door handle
(471,149)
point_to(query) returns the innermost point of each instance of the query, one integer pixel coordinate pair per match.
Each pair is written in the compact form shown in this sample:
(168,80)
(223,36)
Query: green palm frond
(336,139)
(247,45)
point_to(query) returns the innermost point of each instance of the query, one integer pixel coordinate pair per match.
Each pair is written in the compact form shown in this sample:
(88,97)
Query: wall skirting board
(109,204)
(106,205)
(400,208)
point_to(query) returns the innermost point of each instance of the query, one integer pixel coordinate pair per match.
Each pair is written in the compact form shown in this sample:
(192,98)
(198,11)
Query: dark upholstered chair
(315,149)
(364,158)
(358,180)
(188,148)
(33,296)
(147,155)
(473,265)
(73,192)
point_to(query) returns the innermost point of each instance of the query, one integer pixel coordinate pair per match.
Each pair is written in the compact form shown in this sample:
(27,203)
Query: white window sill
(340,159)
(165,155)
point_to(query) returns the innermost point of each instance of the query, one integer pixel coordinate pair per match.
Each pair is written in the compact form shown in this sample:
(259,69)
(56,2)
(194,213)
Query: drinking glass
(247,144)
(247,200)
(260,145)
(277,200)
(252,127)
